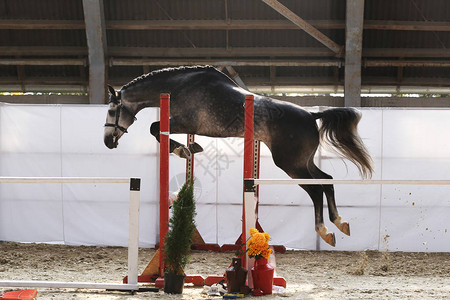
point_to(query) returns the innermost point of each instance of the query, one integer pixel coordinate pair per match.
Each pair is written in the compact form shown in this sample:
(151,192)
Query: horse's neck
(147,93)
(141,96)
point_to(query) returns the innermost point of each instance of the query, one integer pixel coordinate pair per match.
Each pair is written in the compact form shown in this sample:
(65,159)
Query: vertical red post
(163,176)
(248,160)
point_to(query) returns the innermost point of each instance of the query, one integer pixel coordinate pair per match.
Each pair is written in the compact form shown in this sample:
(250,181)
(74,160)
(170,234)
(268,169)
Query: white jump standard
(133,238)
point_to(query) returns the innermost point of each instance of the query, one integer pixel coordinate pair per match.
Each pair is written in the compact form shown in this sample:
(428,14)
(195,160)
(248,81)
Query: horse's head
(118,119)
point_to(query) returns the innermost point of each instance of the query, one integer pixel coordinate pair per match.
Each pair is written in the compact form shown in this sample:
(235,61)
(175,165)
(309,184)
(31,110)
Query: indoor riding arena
(312,136)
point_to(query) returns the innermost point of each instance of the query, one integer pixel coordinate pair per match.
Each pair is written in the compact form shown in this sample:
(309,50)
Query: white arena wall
(67,141)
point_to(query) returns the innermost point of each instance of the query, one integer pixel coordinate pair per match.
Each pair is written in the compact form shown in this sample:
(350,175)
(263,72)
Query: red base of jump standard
(210,280)
(196,280)
(19,295)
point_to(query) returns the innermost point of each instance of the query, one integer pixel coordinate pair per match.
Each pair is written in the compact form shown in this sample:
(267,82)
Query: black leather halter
(116,100)
(116,124)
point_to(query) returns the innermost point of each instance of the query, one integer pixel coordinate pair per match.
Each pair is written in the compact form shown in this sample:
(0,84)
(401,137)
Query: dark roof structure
(270,46)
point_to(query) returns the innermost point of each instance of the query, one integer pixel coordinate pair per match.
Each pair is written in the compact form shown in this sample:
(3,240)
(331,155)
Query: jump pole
(133,238)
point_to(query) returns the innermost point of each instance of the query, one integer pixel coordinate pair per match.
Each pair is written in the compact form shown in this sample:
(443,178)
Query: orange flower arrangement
(258,244)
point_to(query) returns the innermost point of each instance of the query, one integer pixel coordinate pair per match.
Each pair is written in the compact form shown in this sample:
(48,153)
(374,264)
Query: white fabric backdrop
(67,140)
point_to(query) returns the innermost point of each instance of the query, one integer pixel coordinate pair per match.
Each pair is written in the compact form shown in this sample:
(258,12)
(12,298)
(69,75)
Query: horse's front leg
(178,126)
(175,147)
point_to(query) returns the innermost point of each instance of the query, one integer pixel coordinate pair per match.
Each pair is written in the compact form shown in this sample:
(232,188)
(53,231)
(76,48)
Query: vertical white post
(250,212)
(250,206)
(133,228)
(250,203)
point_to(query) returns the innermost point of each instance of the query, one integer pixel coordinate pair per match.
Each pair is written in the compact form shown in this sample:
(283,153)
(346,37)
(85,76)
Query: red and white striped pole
(163,176)
(249,201)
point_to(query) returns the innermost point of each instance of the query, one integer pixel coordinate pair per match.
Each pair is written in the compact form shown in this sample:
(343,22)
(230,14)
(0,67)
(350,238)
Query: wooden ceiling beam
(236,52)
(406,63)
(32,80)
(44,62)
(54,51)
(15,24)
(218,24)
(113,61)
(272,52)
(312,62)
(222,52)
(233,74)
(308,28)
(41,24)
(406,25)
(406,52)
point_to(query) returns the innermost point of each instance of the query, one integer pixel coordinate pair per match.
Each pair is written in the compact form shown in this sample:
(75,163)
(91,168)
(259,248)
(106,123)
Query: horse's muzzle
(111,141)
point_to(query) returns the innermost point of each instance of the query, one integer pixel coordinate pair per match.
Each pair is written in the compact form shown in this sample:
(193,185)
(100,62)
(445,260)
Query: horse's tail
(339,129)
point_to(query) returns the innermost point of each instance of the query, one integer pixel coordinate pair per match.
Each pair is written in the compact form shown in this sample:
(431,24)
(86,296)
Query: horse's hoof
(345,228)
(182,152)
(330,239)
(195,148)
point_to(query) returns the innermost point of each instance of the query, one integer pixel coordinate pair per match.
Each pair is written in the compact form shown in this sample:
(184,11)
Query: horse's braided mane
(165,70)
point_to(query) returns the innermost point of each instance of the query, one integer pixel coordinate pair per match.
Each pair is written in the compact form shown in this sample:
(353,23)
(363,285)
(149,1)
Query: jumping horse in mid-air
(205,101)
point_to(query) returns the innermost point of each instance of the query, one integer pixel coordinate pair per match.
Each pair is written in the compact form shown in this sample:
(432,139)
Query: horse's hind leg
(329,193)
(316,194)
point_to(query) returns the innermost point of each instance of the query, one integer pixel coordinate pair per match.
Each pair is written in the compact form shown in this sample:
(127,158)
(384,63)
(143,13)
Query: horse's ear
(111,90)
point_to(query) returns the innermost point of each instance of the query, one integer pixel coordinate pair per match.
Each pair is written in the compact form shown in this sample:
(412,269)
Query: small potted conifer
(178,240)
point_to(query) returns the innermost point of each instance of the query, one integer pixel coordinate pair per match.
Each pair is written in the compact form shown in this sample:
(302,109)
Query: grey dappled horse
(205,101)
